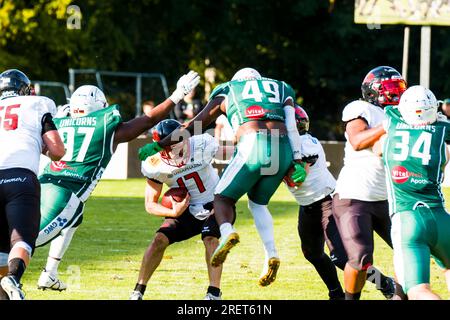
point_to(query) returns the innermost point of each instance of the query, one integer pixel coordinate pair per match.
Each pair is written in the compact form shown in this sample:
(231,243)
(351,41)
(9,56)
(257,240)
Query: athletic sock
(226,229)
(336,294)
(52,265)
(352,296)
(140,287)
(214,291)
(16,268)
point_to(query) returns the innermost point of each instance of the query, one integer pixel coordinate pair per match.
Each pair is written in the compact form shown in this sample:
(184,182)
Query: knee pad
(23,245)
(3,259)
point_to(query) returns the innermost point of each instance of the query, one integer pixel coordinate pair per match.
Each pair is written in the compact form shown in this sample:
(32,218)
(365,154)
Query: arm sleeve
(293,135)
(47,123)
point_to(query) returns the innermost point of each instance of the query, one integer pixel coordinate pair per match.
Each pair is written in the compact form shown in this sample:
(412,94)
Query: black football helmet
(176,154)
(383,86)
(16,82)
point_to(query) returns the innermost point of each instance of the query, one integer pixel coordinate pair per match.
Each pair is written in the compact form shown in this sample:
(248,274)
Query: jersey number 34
(420,149)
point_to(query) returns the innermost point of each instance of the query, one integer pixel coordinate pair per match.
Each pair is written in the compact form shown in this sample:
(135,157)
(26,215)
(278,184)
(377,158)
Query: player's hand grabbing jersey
(197,175)
(21,130)
(89,147)
(250,100)
(319,182)
(415,158)
(362,176)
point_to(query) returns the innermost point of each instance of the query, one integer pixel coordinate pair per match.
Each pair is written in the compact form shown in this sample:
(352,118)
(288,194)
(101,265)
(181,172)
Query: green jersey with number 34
(251,100)
(414,159)
(89,147)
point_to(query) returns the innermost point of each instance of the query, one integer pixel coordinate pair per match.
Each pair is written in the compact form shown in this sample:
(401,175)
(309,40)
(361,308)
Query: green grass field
(104,258)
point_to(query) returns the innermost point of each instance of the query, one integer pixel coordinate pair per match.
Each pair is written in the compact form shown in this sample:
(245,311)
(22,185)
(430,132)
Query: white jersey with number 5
(21,130)
(197,175)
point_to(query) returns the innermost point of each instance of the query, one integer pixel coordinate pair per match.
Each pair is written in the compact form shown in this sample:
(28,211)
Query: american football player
(360,201)
(261,112)
(26,130)
(415,155)
(91,134)
(187,165)
(316,225)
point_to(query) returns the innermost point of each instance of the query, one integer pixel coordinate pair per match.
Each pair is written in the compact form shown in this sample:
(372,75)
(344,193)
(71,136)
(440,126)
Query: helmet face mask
(14,82)
(383,86)
(85,100)
(418,106)
(176,155)
(302,120)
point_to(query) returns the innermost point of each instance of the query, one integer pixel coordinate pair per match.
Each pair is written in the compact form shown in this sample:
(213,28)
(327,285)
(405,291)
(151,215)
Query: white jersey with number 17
(21,130)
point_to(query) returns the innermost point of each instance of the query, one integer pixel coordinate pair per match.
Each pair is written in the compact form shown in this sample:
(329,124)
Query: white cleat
(136,295)
(269,272)
(210,296)
(12,288)
(51,282)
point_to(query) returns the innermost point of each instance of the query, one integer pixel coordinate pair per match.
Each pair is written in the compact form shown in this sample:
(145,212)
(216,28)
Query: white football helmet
(86,99)
(418,106)
(246,74)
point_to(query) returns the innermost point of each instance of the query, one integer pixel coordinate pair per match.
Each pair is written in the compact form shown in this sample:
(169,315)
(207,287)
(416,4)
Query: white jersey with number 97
(21,130)
(198,175)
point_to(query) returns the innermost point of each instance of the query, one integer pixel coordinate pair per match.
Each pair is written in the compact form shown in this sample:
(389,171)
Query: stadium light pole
(405,53)
(425,54)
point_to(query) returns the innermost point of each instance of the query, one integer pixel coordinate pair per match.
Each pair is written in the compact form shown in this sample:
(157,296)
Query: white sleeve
(149,168)
(356,109)
(310,146)
(210,148)
(294,136)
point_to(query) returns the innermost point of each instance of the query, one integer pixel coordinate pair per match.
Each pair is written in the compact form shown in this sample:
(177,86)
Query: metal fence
(128,89)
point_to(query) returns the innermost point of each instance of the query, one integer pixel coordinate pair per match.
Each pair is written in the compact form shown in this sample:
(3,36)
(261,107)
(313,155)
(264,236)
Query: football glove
(299,174)
(185,85)
(149,150)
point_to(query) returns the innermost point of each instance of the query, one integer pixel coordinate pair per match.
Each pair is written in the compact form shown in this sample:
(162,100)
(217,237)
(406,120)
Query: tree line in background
(311,45)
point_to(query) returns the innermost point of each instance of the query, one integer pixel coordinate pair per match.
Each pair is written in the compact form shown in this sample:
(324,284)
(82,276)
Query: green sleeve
(114,114)
(222,89)
(288,92)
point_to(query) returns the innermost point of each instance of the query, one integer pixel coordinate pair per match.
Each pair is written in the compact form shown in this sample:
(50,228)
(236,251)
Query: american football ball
(178,194)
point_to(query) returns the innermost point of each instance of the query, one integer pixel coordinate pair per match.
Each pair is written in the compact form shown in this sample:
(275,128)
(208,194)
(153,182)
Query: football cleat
(12,288)
(269,273)
(136,295)
(225,245)
(51,282)
(388,290)
(210,296)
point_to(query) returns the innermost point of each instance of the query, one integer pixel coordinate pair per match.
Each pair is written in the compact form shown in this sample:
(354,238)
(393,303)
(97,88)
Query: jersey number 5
(197,179)
(420,149)
(10,120)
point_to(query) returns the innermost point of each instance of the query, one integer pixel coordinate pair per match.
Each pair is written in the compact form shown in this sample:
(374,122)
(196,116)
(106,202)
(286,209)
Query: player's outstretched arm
(130,130)
(210,113)
(360,136)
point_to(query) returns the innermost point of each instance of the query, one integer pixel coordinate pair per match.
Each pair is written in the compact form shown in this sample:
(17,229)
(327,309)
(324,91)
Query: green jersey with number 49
(89,147)
(414,159)
(251,100)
